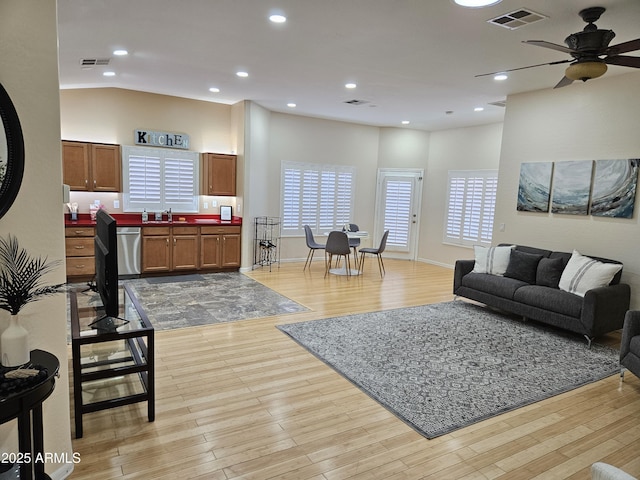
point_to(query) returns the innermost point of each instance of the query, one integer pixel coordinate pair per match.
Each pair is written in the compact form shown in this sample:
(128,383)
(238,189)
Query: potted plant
(20,284)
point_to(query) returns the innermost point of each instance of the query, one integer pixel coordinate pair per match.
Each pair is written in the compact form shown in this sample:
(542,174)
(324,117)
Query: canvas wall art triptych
(605,188)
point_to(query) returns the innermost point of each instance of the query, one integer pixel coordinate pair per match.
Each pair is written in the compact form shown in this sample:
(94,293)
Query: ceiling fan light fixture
(585,70)
(476,3)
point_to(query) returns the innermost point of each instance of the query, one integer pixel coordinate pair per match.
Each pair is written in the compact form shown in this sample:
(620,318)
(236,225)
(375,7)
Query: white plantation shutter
(397,211)
(158,179)
(471,199)
(320,196)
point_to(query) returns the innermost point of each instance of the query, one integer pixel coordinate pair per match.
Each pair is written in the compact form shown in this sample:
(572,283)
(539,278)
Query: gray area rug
(446,366)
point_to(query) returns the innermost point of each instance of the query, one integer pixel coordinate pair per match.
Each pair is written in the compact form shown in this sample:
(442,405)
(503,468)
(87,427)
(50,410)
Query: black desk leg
(24,444)
(38,443)
(77,388)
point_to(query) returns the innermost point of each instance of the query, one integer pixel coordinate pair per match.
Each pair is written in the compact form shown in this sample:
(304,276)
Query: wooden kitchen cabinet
(91,167)
(219,174)
(219,247)
(80,252)
(184,254)
(169,249)
(156,251)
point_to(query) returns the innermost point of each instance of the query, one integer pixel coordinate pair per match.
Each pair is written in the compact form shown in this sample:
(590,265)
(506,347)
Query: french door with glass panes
(398,210)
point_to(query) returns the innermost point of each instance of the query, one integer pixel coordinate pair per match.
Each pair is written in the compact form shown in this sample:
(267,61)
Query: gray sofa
(630,343)
(536,296)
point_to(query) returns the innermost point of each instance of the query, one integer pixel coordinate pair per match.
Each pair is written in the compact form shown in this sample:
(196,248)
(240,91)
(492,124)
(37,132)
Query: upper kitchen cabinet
(91,167)
(219,174)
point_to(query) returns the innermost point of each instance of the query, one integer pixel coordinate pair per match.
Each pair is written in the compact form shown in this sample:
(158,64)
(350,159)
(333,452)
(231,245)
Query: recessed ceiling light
(120,52)
(476,3)
(291,105)
(350,85)
(406,122)
(242,74)
(501,76)
(109,74)
(214,90)
(277,18)
(478,109)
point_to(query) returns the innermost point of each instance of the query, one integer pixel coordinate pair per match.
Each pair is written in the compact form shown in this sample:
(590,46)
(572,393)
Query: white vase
(14,344)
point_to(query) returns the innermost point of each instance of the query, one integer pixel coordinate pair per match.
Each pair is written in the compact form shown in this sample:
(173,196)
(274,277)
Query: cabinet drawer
(219,230)
(185,230)
(79,247)
(79,232)
(156,231)
(81,266)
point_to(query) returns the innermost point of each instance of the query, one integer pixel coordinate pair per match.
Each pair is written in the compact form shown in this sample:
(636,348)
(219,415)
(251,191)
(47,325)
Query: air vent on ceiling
(94,62)
(499,103)
(356,102)
(517,19)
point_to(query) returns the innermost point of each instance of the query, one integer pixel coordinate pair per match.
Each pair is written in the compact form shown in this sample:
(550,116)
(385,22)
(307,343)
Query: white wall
(29,73)
(472,148)
(305,139)
(585,121)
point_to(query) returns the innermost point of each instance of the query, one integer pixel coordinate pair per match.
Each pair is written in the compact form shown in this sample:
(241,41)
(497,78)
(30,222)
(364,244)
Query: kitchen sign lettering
(162,139)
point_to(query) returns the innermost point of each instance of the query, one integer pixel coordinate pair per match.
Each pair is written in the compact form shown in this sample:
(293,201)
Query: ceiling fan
(590,51)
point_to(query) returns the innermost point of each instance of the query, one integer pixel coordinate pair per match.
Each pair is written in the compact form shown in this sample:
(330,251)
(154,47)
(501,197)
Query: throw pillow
(584,273)
(523,266)
(493,260)
(549,272)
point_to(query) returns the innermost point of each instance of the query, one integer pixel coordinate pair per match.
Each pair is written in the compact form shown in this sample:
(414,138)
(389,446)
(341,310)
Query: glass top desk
(113,359)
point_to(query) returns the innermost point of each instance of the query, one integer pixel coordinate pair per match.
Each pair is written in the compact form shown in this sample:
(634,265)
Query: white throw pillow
(493,260)
(584,273)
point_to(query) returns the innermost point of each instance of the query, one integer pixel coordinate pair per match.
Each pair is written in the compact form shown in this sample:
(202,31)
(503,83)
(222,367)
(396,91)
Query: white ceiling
(411,59)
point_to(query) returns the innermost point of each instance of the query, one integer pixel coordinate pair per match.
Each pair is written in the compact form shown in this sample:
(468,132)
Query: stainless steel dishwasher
(128,250)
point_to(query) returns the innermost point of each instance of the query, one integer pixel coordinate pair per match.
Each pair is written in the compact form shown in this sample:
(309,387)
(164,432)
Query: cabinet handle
(174,241)
(79,247)
(94,183)
(86,182)
(78,232)
(167,242)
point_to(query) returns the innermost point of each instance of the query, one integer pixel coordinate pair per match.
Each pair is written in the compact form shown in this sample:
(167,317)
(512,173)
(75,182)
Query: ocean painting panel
(571,187)
(534,189)
(614,188)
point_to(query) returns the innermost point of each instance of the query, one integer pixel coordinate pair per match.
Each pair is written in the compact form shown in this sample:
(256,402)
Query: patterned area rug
(446,366)
(206,299)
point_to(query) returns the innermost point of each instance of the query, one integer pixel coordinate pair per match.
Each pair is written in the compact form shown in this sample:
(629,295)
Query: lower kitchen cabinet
(79,252)
(190,248)
(219,247)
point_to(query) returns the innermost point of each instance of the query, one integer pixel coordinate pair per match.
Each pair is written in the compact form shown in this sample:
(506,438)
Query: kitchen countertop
(135,220)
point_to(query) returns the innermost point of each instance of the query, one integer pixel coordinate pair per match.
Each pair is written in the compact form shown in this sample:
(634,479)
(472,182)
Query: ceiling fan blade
(564,82)
(624,47)
(552,46)
(522,68)
(623,61)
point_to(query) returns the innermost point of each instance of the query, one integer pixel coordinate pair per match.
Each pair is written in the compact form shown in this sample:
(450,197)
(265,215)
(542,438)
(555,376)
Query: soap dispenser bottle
(145,216)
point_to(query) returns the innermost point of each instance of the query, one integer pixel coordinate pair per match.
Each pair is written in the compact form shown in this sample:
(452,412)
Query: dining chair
(354,242)
(312,244)
(377,252)
(337,244)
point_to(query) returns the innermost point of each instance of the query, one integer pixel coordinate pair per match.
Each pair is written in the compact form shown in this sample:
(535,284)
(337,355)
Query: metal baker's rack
(266,241)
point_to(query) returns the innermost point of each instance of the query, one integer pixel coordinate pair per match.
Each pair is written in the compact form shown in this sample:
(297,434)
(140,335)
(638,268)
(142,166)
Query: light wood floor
(242,400)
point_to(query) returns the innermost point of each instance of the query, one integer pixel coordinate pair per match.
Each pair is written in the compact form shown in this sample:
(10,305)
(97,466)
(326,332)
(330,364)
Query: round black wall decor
(11,153)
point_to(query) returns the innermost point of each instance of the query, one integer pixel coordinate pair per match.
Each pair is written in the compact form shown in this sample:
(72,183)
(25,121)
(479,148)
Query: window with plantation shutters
(157,179)
(471,200)
(320,196)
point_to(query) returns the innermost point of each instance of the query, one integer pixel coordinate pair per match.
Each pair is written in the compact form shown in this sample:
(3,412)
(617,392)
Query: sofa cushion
(551,299)
(549,272)
(493,260)
(584,273)
(492,284)
(523,266)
